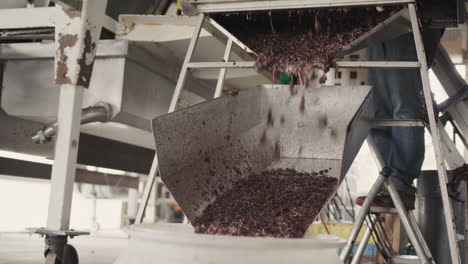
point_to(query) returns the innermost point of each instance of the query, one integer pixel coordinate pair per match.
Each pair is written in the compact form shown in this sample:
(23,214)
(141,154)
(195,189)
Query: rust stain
(323,121)
(263,139)
(282,120)
(302,105)
(277,149)
(84,76)
(270,120)
(65,41)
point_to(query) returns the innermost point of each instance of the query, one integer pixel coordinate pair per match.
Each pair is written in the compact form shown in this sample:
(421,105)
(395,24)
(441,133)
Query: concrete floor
(26,249)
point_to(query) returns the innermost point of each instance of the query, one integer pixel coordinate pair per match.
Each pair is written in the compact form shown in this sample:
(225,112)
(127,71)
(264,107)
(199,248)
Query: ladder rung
(397,123)
(229,64)
(378,64)
(383,210)
(405,259)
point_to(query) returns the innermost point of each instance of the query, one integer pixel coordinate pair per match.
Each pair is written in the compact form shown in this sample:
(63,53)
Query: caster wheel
(51,258)
(70,256)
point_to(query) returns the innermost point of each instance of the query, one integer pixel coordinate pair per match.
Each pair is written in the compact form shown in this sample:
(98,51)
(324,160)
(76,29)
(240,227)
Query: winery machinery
(174,169)
(124,100)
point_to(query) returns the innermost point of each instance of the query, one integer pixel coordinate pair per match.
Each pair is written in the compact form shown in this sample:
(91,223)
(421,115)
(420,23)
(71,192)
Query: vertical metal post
(436,139)
(418,233)
(175,98)
(465,62)
(466,225)
(365,206)
(147,191)
(188,58)
(132,205)
(416,241)
(413,231)
(76,36)
(222,72)
(360,218)
(362,246)
(66,152)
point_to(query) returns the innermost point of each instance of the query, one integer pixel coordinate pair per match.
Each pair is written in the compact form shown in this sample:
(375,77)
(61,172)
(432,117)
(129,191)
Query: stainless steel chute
(204,149)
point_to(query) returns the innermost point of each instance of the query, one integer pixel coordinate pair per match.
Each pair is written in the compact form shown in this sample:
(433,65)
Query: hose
(101,112)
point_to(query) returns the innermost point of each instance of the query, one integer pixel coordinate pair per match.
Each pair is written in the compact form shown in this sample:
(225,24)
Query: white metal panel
(27,17)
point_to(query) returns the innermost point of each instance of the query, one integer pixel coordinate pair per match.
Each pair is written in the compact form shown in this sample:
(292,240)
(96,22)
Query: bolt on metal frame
(408,221)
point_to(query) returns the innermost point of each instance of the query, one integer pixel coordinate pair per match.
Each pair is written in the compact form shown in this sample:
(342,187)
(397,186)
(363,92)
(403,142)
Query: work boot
(383,199)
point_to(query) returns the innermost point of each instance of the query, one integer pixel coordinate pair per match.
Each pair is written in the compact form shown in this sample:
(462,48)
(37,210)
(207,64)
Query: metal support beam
(222,72)
(75,35)
(452,82)
(362,246)
(465,62)
(220,33)
(66,152)
(147,191)
(436,139)
(399,123)
(418,242)
(378,64)
(226,6)
(410,230)
(185,66)
(227,64)
(344,257)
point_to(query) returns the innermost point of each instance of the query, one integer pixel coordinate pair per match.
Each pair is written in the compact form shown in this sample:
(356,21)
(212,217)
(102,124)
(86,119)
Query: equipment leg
(436,139)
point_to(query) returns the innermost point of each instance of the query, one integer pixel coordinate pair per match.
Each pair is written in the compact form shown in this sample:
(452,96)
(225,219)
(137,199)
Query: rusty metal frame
(76,35)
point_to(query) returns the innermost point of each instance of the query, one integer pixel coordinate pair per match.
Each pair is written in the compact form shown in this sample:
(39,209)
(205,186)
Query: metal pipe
(100,112)
(416,241)
(367,203)
(436,138)
(418,233)
(362,246)
(132,205)
(360,218)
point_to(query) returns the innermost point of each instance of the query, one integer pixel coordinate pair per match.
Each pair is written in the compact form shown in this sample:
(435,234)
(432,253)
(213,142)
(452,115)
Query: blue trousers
(396,95)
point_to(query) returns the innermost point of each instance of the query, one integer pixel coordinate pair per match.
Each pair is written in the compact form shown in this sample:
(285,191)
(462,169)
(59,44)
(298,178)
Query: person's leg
(407,142)
(382,136)
(382,100)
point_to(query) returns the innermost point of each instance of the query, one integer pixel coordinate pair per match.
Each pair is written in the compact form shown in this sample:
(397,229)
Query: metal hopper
(204,149)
